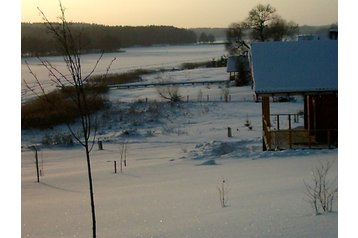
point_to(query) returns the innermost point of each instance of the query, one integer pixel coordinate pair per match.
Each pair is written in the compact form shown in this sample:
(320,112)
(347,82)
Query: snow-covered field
(178,155)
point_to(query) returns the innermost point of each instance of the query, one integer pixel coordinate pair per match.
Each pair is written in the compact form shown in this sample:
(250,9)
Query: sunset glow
(184,13)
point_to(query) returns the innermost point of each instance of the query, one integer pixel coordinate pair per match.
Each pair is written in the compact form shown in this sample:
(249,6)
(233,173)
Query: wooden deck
(297,138)
(278,138)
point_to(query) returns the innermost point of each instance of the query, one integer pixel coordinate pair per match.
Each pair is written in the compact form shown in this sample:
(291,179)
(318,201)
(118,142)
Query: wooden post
(289,131)
(115,166)
(308,114)
(100,145)
(125,156)
(187,98)
(278,121)
(37,165)
(266,118)
(266,109)
(229,132)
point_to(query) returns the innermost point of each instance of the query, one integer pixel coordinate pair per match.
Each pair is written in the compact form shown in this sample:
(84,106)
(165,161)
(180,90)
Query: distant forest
(35,39)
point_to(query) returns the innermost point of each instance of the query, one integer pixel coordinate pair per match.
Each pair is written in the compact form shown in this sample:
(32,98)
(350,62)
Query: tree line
(37,40)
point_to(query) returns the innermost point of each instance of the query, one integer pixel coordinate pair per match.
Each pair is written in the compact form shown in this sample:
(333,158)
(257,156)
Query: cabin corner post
(266,122)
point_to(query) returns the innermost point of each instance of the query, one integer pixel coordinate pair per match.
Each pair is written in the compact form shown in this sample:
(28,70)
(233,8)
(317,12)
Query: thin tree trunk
(93,210)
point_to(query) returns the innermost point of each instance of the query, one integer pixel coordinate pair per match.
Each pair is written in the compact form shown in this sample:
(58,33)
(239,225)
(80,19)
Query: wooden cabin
(306,69)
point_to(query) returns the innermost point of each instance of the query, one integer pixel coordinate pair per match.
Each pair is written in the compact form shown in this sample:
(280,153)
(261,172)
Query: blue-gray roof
(296,66)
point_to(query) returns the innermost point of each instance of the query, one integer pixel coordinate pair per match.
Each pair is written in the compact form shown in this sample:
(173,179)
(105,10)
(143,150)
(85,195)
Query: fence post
(115,166)
(100,145)
(37,165)
(289,131)
(278,121)
(229,132)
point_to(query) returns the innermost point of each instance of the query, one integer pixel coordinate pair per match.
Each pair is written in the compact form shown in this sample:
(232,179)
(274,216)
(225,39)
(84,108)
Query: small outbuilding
(238,66)
(307,69)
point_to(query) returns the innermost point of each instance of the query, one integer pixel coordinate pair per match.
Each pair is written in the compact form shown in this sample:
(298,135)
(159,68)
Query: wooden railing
(276,138)
(302,138)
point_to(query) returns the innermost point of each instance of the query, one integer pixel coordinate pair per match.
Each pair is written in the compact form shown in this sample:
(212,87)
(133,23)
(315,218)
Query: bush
(121,78)
(57,107)
(58,139)
(321,192)
(170,93)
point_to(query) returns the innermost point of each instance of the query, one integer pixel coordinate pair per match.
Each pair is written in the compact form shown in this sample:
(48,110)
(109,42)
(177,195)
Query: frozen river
(130,59)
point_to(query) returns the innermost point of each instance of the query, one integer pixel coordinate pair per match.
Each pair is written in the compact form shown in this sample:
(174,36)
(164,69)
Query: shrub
(321,192)
(57,107)
(170,93)
(121,78)
(58,139)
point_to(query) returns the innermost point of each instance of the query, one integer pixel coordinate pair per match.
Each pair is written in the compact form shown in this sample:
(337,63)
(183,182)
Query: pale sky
(179,13)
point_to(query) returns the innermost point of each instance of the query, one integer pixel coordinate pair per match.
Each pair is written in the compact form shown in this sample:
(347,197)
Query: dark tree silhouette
(258,20)
(279,28)
(262,24)
(35,37)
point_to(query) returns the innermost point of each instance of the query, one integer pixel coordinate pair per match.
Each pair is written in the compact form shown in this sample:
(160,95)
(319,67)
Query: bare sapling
(321,192)
(75,84)
(223,193)
(226,93)
(123,152)
(38,171)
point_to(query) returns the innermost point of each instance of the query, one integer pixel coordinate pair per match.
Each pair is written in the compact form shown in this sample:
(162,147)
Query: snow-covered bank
(162,191)
(159,197)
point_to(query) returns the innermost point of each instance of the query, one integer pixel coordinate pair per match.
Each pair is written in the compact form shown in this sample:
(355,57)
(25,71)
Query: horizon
(199,27)
(184,14)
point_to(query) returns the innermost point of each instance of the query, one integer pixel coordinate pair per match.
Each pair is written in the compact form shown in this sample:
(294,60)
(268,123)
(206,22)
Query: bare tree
(76,86)
(258,20)
(280,29)
(262,24)
(321,192)
(235,38)
(169,92)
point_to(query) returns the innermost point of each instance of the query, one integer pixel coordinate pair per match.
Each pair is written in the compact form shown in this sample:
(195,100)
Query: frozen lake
(131,59)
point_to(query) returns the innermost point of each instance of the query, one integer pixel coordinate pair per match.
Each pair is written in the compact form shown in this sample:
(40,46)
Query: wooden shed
(308,69)
(238,66)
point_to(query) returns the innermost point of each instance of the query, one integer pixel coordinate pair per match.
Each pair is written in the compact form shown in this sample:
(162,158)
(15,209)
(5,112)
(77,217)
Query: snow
(302,66)
(178,154)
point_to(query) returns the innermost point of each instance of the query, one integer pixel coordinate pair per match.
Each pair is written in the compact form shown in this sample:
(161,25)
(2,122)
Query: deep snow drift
(178,154)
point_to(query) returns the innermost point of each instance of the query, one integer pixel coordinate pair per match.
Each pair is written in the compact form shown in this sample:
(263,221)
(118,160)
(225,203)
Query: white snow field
(177,156)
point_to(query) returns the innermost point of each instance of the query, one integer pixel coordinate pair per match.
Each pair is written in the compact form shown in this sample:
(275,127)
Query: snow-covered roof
(295,67)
